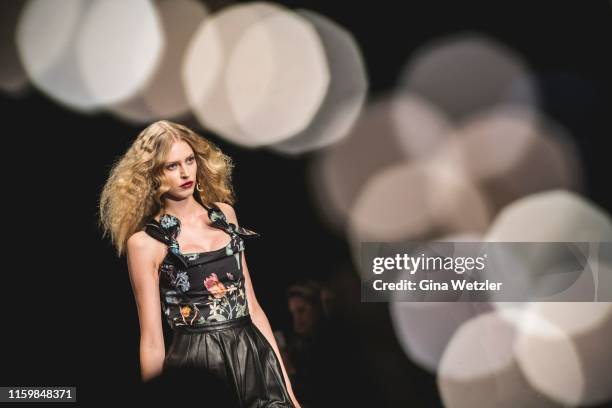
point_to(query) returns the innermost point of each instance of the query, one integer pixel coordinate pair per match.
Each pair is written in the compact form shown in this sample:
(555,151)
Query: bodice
(201,287)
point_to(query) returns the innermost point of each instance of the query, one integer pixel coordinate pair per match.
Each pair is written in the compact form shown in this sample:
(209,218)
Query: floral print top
(201,287)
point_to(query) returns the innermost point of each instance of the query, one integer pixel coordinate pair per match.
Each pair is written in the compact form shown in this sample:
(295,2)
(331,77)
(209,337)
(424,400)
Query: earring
(198,187)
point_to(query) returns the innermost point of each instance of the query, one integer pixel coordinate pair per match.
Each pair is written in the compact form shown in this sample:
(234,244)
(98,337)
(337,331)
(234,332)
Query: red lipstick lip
(187,184)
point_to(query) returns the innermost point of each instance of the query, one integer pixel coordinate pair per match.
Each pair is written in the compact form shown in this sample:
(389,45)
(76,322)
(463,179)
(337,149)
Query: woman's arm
(261,321)
(141,255)
(257,314)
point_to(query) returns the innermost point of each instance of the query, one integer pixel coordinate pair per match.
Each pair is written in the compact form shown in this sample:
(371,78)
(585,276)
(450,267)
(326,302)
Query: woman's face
(180,168)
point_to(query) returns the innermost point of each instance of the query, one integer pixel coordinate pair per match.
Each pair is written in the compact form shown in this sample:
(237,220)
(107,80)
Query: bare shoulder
(143,246)
(229,212)
(139,240)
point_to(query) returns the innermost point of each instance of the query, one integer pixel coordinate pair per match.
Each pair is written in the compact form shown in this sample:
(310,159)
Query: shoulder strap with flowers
(218,219)
(166,231)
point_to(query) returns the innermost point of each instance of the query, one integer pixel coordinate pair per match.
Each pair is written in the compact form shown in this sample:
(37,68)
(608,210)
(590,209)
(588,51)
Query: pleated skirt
(238,354)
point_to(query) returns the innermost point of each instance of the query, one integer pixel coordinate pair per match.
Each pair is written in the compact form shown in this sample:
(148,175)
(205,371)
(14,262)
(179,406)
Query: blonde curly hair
(136,183)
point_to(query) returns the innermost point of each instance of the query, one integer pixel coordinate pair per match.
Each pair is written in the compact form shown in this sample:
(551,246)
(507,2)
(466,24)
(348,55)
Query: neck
(187,209)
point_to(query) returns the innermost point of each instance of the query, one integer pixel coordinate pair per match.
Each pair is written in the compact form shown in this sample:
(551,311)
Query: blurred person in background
(322,352)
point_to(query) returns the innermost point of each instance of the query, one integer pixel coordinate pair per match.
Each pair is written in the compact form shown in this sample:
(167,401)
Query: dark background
(70,317)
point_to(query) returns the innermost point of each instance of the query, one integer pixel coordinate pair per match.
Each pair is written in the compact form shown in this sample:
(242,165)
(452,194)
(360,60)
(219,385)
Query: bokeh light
(163,96)
(247,81)
(347,91)
(484,74)
(87,55)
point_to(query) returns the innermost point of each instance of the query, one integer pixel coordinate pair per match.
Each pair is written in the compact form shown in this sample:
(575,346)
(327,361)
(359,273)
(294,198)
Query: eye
(191,159)
(170,167)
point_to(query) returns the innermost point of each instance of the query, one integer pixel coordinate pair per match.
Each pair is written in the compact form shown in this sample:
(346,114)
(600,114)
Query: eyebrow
(174,162)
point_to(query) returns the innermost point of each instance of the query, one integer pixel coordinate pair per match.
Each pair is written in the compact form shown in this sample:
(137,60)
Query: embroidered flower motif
(167,268)
(173,300)
(193,257)
(229,275)
(215,308)
(181,281)
(214,286)
(215,216)
(185,311)
(168,221)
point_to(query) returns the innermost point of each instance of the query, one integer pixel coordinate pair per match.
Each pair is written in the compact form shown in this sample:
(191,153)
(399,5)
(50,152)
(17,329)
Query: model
(167,205)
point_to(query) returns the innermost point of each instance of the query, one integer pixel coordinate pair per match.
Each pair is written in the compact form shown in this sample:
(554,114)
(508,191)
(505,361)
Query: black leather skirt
(236,353)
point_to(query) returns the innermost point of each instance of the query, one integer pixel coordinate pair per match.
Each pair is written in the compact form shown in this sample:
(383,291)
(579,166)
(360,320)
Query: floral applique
(189,313)
(214,286)
(228,305)
(167,221)
(178,279)
(193,256)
